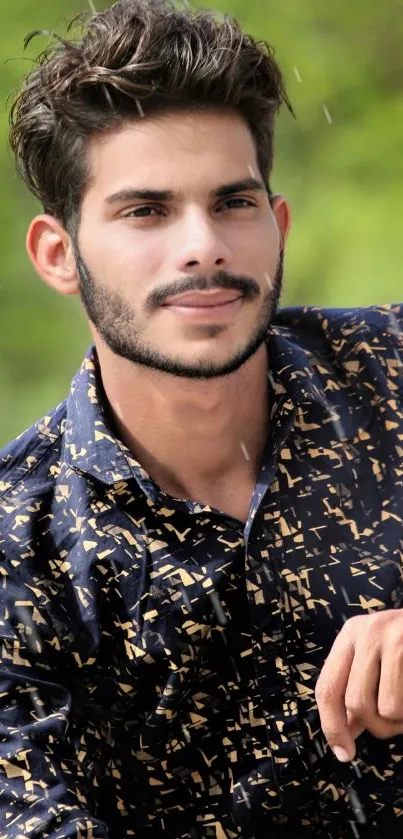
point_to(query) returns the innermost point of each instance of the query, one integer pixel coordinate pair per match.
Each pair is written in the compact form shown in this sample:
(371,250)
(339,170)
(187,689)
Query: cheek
(124,261)
(261,251)
(140,257)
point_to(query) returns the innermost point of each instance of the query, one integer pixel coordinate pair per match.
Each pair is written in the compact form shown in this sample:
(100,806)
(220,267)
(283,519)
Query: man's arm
(42,787)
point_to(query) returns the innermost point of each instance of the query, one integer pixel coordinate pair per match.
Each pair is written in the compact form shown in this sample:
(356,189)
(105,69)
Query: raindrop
(218,609)
(108,97)
(345,595)
(356,806)
(354,829)
(268,573)
(271,379)
(139,108)
(245,451)
(186,600)
(185,733)
(245,797)
(336,421)
(318,748)
(338,427)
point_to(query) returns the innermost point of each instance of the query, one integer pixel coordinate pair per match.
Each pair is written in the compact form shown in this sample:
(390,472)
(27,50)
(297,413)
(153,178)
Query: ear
(282,213)
(51,252)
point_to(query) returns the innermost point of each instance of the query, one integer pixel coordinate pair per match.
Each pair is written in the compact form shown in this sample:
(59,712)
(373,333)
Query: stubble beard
(115,321)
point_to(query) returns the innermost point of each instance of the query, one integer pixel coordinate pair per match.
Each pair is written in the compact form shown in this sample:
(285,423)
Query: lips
(204,299)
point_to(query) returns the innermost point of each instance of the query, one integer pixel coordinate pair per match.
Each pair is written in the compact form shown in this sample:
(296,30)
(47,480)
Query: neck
(190,434)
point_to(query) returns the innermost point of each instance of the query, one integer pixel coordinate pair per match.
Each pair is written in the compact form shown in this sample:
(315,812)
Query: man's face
(140,257)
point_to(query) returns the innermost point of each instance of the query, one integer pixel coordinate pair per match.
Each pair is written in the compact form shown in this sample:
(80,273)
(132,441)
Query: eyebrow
(248,185)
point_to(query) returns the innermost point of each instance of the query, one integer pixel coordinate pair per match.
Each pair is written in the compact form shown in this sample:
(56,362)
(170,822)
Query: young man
(216,509)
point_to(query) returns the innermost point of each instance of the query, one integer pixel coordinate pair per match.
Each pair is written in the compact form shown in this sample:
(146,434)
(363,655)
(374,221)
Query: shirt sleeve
(43,791)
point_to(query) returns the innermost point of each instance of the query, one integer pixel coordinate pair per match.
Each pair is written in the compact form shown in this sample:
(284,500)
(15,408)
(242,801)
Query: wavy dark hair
(136,58)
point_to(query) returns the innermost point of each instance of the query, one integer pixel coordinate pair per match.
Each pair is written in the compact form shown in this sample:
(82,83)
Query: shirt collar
(319,397)
(90,445)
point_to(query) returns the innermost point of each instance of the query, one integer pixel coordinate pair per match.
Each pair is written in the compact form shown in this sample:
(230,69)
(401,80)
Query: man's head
(149,143)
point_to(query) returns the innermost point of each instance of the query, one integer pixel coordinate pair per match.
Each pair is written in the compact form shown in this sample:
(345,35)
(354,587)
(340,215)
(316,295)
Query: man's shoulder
(347,360)
(307,318)
(28,457)
(340,331)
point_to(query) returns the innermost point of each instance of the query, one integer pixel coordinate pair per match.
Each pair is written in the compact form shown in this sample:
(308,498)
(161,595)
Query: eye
(243,203)
(143,212)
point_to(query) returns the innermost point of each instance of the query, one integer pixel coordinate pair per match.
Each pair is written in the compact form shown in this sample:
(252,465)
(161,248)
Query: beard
(119,325)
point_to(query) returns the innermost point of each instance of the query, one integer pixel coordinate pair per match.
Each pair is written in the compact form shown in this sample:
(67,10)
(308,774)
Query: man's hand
(361,683)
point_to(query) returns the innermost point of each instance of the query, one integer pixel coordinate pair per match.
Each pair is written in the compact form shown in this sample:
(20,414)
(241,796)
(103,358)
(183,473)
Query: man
(216,509)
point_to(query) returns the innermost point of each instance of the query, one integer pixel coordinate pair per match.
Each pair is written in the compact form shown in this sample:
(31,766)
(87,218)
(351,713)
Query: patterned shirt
(159,657)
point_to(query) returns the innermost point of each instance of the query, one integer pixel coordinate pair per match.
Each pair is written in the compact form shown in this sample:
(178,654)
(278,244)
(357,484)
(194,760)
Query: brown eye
(243,203)
(142,212)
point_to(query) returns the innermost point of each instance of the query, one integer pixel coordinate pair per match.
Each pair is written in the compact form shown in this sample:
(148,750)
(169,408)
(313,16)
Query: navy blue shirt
(159,657)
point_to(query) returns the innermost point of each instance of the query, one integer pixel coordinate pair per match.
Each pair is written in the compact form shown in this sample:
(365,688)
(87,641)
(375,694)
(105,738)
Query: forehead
(178,150)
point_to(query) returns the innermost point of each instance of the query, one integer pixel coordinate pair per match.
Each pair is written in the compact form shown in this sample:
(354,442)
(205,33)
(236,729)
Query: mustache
(245,285)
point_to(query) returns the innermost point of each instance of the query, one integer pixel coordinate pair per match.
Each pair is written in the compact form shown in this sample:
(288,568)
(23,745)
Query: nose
(201,244)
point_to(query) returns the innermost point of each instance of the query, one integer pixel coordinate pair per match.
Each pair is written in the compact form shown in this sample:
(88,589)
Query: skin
(196,397)
(361,683)
(187,432)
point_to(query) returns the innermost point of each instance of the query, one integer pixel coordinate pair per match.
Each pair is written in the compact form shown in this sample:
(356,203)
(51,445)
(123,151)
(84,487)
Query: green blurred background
(339,163)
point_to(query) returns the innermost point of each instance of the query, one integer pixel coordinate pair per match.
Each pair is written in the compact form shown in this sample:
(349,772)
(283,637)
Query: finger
(355,726)
(390,691)
(362,693)
(330,696)
(362,688)
(364,684)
